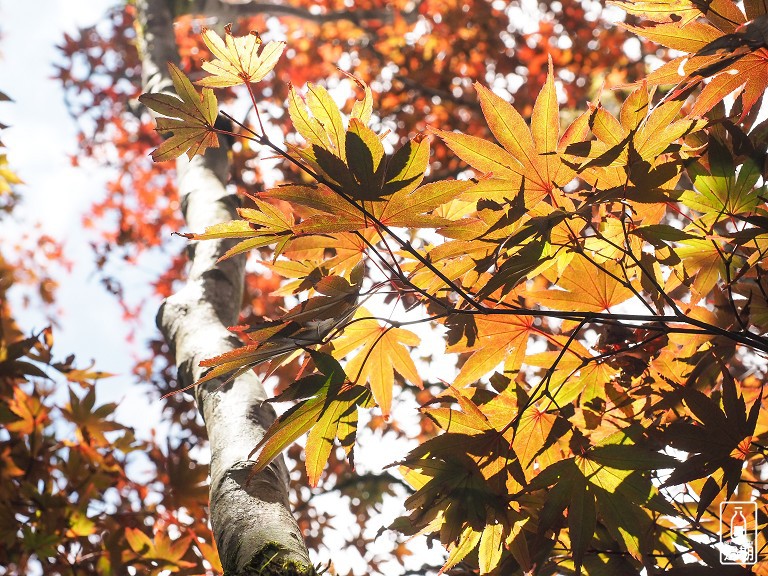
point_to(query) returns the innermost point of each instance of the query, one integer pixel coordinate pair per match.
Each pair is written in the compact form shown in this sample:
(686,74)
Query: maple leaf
(716,438)
(729,50)
(347,249)
(471,420)
(490,547)
(500,339)
(318,120)
(328,410)
(29,412)
(467,541)
(383,352)
(353,161)
(239,59)
(702,261)
(721,188)
(458,490)
(587,287)
(607,481)
(261,226)
(531,435)
(362,175)
(635,156)
(325,212)
(84,376)
(361,171)
(530,160)
(455,261)
(163,551)
(746,76)
(683,12)
(337,420)
(306,324)
(190,116)
(660,10)
(91,421)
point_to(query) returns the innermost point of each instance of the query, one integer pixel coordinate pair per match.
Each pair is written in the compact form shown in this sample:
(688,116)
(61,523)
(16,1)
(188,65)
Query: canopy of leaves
(558,225)
(724,42)
(597,273)
(69,504)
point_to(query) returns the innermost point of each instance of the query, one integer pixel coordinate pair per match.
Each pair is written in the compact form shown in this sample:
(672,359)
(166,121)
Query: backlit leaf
(166,552)
(239,59)
(491,547)
(587,286)
(327,114)
(286,429)
(383,352)
(405,170)
(684,11)
(329,412)
(190,116)
(467,541)
(339,419)
(29,413)
(689,38)
(545,127)
(500,340)
(531,434)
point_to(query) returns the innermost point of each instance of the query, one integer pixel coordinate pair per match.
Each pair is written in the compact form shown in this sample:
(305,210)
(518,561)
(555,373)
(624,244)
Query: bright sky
(39,141)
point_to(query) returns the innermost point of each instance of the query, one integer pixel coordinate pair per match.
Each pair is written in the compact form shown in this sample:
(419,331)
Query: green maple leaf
(327,410)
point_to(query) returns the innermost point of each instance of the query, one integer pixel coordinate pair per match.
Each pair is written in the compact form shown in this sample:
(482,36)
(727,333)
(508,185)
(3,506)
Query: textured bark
(251,521)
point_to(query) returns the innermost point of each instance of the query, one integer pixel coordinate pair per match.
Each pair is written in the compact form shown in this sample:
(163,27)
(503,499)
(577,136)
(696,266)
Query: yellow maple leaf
(383,352)
(239,59)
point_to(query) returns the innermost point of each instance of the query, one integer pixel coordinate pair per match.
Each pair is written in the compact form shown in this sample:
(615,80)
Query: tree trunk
(252,523)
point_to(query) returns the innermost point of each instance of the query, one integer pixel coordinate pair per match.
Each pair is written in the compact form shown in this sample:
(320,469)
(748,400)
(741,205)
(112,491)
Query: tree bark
(252,523)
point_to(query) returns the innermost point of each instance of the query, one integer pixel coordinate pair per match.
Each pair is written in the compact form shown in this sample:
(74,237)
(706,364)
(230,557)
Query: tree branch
(249,519)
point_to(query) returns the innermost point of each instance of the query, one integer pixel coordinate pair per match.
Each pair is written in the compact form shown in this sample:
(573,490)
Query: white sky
(39,141)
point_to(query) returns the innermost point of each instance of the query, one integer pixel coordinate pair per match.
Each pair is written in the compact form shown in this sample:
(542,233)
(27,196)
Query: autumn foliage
(592,257)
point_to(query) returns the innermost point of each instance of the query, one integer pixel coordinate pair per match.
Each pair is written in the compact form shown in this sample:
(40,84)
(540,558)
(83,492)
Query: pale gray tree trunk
(252,523)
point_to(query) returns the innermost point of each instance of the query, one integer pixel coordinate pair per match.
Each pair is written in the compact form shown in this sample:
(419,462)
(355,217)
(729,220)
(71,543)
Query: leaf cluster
(600,282)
